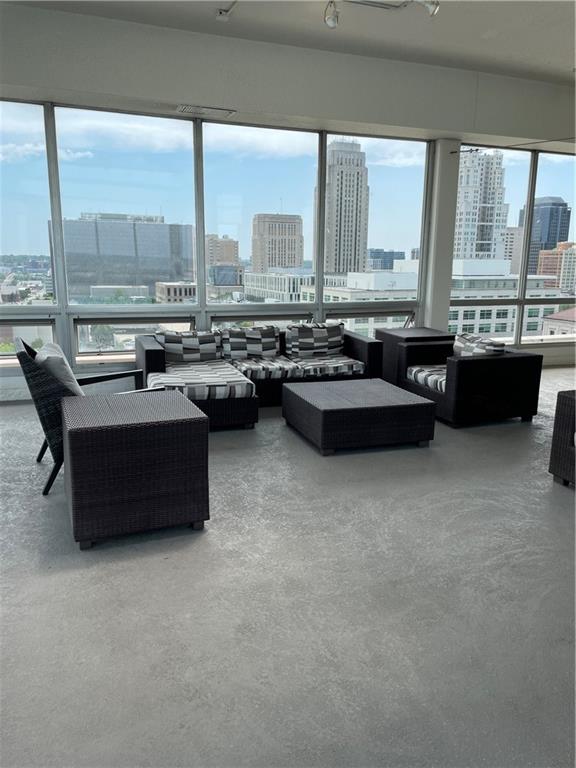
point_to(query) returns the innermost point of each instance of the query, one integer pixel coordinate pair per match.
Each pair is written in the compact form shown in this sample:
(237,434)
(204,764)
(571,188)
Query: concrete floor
(401,608)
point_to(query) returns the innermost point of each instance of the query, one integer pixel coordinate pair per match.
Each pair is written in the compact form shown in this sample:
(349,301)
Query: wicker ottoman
(357,414)
(134,462)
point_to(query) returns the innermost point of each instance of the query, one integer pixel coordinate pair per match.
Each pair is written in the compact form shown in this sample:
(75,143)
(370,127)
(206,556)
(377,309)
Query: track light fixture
(331,13)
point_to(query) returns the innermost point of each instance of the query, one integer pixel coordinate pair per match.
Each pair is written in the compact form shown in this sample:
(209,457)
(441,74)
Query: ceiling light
(432,6)
(331,12)
(331,15)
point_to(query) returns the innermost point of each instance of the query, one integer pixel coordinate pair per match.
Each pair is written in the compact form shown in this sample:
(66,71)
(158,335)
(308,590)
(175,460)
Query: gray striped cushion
(190,346)
(213,380)
(242,343)
(470,345)
(329,365)
(278,367)
(314,339)
(431,376)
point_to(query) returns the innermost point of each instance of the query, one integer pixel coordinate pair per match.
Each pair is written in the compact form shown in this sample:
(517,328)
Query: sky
(117,163)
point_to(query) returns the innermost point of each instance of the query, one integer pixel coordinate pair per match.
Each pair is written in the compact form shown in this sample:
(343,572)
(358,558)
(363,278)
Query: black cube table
(134,462)
(390,339)
(563,452)
(357,414)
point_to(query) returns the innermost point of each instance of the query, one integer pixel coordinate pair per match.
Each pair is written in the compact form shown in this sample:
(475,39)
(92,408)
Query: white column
(441,238)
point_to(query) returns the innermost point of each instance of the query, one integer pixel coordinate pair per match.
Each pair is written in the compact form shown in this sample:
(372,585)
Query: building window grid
(64,320)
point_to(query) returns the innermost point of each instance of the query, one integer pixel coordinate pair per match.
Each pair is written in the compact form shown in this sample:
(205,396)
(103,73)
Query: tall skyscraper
(550,226)
(347,200)
(221,250)
(277,241)
(124,249)
(481,213)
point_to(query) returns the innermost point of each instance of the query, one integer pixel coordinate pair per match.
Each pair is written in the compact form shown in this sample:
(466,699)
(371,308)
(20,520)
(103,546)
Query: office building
(277,241)
(115,248)
(513,243)
(221,250)
(481,211)
(347,203)
(379,258)
(559,264)
(550,226)
(175,292)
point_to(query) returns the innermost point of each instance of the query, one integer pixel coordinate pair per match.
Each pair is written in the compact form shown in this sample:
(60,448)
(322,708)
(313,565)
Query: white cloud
(82,131)
(394,153)
(10,153)
(69,155)
(556,159)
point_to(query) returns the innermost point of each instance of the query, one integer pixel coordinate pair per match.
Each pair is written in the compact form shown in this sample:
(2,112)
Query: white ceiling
(533,38)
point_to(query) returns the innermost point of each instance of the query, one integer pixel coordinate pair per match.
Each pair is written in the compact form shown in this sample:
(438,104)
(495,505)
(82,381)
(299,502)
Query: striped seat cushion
(329,365)
(278,367)
(431,376)
(244,343)
(314,339)
(470,345)
(190,346)
(212,380)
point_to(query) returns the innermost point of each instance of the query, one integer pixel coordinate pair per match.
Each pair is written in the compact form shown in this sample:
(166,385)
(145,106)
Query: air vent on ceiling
(192,109)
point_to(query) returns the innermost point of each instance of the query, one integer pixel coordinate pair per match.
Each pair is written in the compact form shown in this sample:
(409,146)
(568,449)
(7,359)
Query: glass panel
(259,202)
(555,322)
(25,260)
(127,185)
(34,335)
(552,254)
(111,336)
(367,325)
(490,322)
(492,188)
(374,195)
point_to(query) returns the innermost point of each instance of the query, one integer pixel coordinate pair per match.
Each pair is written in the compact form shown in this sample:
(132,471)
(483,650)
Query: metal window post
(526,240)
(425,232)
(62,323)
(203,318)
(319,309)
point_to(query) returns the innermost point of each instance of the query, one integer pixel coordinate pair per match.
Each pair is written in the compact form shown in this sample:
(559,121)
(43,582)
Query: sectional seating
(472,380)
(432,376)
(279,367)
(209,380)
(329,365)
(225,372)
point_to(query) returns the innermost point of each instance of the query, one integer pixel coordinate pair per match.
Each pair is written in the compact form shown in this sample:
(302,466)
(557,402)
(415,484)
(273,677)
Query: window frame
(64,316)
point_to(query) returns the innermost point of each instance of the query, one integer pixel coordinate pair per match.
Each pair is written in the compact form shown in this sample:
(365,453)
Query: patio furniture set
(139,461)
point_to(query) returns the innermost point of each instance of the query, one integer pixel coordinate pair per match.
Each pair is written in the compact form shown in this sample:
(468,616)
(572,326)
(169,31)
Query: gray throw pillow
(51,358)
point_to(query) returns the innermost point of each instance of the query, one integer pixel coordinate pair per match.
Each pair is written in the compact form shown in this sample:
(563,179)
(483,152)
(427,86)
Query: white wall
(83,60)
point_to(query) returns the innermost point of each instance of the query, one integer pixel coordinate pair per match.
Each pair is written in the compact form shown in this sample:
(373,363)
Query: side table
(390,340)
(134,462)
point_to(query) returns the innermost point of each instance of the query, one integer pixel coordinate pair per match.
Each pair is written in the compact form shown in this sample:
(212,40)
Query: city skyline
(155,154)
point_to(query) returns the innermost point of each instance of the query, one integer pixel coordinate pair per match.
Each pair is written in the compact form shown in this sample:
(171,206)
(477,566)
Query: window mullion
(57,233)
(526,240)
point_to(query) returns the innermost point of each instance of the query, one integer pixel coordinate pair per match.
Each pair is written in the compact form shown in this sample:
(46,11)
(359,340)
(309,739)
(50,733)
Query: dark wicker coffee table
(357,414)
(134,462)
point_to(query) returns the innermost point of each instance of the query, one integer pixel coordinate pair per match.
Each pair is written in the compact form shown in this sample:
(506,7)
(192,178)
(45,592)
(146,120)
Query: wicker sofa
(471,390)
(266,390)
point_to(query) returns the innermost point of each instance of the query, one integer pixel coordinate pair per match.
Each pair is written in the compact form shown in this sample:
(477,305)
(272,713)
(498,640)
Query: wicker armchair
(47,393)
(479,390)
(562,454)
